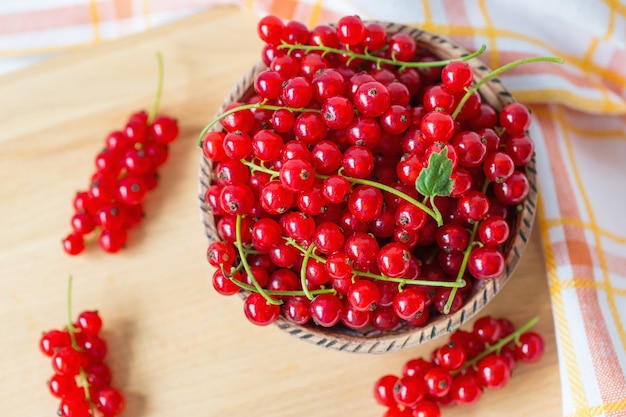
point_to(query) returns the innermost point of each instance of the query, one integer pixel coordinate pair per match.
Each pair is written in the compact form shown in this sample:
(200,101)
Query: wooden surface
(175,346)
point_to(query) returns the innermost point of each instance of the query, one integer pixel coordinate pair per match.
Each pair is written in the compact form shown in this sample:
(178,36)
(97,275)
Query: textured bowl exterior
(348,340)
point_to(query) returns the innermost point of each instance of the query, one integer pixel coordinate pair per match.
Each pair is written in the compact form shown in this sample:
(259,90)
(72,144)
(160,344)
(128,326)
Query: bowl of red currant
(367,186)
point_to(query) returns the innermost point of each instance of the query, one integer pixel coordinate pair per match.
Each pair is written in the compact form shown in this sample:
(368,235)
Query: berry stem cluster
(81,380)
(377,59)
(126,169)
(459,371)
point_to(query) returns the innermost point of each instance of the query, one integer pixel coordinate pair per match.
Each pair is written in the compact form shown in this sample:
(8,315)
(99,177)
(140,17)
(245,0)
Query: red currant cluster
(363,181)
(81,380)
(126,169)
(458,372)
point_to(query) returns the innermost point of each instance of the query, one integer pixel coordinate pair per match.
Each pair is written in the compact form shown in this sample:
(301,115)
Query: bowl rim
(347,340)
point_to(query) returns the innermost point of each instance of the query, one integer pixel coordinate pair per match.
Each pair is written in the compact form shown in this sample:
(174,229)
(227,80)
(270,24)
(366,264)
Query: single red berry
(53,340)
(110,401)
(487,329)
(426,408)
(164,129)
(363,295)
(372,99)
(112,241)
(514,189)
(485,262)
(259,311)
(515,118)
(89,322)
(270,29)
(67,361)
(365,202)
(73,244)
(225,285)
(409,390)
(530,347)
(493,231)
(297,92)
(383,390)
(326,310)
(494,371)
(438,381)
(350,30)
(409,303)
(297,175)
(451,356)
(466,389)
(402,47)
(457,76)
(437,127)
(297,310)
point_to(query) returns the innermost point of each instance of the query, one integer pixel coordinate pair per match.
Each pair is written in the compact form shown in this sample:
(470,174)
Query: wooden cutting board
(175,346)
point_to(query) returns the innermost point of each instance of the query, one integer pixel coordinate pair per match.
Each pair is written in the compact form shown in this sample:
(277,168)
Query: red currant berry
(259,311)
(438,381)
(485,262)
(297,310)
(515,118)
(73,244)
(350,30)
(89,322)
(409,390)
(326,310)
(110,401)
(383,390)
(494,371)
(530,347)
(466,389)
(270,29)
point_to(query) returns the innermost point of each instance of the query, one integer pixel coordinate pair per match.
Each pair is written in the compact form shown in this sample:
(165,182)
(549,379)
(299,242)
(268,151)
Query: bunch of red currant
(81,380)
(459,371)
(362,181)
(126,169)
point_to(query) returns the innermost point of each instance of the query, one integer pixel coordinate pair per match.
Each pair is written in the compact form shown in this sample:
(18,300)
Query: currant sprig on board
(126,169)
(81,379)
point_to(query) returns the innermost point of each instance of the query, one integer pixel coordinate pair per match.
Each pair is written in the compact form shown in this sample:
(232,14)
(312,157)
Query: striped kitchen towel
(579,128)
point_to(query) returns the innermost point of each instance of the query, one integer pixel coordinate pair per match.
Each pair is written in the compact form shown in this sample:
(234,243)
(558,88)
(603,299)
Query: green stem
(436,210)
(466,254)
(255,167)
(157,99)
(260,105)
(292,242)
(497,72)
(246,266)
(294,293)
(433,213)
(70,326)
(459,275)
(72,332)
(500,344)
(402,281)
(305,261)
(378,60)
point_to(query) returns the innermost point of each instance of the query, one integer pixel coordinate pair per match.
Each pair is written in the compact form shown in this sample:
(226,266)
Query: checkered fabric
(579,128)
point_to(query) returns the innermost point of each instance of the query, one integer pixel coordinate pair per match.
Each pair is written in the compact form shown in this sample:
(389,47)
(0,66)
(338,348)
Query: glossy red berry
(350,30)
(530,347)
(494,371)
(258,311)
(326,310)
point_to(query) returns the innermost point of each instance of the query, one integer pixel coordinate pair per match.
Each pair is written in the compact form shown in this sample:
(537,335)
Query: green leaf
(435,178)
